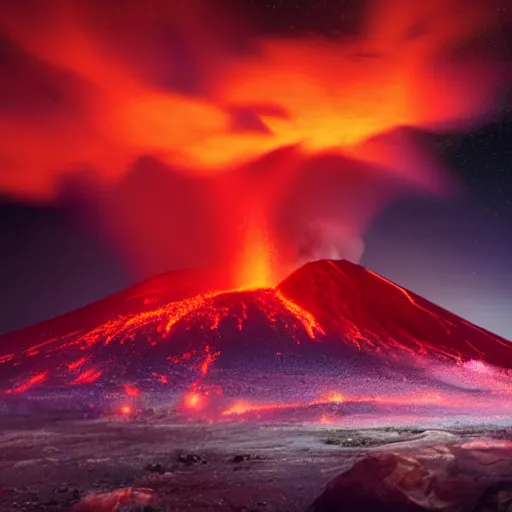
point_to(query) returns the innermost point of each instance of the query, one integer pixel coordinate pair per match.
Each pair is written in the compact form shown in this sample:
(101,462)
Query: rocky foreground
(152,465)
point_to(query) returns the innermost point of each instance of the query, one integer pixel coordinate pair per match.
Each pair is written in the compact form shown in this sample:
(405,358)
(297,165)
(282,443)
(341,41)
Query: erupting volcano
(255,150)
(214,144)
(332,335)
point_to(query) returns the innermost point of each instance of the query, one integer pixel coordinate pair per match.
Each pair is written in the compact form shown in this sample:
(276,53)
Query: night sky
(454,251)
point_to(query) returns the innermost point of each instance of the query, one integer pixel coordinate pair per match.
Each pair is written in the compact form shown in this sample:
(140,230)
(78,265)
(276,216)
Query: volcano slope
(332,341)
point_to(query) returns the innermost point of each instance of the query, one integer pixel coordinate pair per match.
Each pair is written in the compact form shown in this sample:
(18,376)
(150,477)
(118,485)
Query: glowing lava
(210,358)
(193,400)
(31,382)
(132,391)
(126,410)
(331,337)
(335,398)
(255,268)
(154,327)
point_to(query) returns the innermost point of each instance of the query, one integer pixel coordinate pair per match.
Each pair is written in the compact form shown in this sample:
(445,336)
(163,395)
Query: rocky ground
(56,465)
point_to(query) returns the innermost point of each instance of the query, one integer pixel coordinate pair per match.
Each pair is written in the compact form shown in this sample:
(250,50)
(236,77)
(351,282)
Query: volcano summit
(331,339)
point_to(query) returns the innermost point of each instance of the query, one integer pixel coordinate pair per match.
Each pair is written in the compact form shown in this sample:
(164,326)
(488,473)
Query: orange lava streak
(88,376)
(418,399)
(307,320)
(36,348)
(254,268)
(206,311)
(335,398)
(36,379)
(210,358)
(76,364)
(245,407)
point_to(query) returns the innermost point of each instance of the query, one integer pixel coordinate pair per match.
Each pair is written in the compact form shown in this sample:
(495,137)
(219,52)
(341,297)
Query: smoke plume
(210,144)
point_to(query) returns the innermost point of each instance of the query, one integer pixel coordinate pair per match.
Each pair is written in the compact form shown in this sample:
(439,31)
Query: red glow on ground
(193,401)
(240,408)
(132,391)
(433,397)
(125,410)
(161,378)
(335,398)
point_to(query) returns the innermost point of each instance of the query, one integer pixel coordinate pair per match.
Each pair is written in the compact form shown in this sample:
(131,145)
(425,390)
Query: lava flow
(75,358)
(331,337)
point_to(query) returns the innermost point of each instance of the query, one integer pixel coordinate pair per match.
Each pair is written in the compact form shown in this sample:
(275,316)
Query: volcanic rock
(241,458)
(497,498)
(473,476)
(190,458)
(156,468)
(113,501)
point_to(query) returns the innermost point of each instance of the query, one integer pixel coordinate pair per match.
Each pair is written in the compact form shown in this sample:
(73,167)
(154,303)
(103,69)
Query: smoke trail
(192,124)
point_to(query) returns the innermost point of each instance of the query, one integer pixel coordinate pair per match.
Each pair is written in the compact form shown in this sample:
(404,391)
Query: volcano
(332,334)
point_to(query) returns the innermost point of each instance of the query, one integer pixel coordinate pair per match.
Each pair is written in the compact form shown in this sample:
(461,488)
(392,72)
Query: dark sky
(455,252)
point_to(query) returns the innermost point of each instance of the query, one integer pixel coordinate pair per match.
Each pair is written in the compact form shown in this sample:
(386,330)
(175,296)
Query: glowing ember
(238,408)
(193,401)
(132,391)
(126,410)
(335,398)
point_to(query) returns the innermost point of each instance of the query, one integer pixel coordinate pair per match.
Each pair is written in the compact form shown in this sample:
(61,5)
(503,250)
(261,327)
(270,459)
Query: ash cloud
(193,123)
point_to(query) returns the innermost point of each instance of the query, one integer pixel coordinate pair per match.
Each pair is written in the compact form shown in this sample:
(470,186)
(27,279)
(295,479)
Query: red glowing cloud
(270,140)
